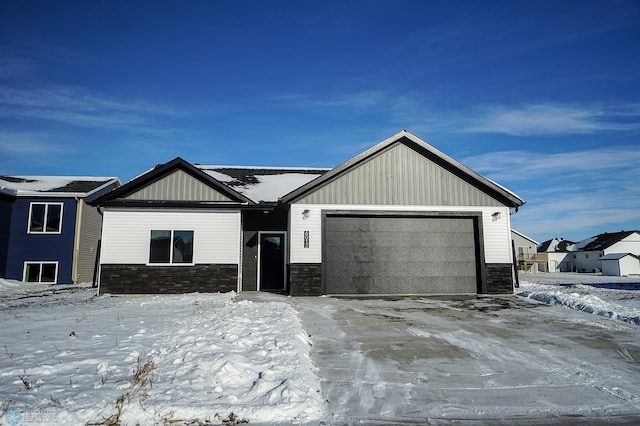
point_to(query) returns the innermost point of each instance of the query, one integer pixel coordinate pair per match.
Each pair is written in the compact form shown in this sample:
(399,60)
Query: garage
(400,254)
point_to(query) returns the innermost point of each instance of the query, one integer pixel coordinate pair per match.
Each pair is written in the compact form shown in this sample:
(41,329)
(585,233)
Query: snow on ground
(612,297)
(71,357)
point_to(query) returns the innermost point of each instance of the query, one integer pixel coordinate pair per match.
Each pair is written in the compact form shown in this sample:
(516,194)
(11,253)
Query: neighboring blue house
(48,232)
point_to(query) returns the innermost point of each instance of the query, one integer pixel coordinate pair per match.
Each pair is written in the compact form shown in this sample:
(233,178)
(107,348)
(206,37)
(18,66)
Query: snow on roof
(601,241)
(263,184)
(52,185)
(559,245)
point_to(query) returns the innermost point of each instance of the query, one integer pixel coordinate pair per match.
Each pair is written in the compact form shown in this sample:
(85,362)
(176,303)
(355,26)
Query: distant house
(48,233)
(587,254)
(558,253)
(526,253)
(620,264)
(399,218)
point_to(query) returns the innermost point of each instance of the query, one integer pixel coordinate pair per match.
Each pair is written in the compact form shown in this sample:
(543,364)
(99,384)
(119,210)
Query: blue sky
(543,97)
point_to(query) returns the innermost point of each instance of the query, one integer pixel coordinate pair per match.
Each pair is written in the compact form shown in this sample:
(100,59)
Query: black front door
(272,261)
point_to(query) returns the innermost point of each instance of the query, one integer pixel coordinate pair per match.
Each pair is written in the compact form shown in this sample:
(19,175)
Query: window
(45,218)
(40,272)
(173,247)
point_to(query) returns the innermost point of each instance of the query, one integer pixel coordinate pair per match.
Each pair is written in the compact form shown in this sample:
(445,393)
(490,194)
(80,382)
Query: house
(399,218)
(587,253)
(558,253)
(620,264)
(48,233)
(526,254)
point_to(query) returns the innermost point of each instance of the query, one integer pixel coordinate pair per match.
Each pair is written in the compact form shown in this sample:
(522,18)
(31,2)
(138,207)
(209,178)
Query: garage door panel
(416,269)
(404,285)
(399,255)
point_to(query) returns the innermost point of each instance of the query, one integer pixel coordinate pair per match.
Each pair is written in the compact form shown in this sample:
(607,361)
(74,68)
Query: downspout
(513,252)
(95,283)
(76,241)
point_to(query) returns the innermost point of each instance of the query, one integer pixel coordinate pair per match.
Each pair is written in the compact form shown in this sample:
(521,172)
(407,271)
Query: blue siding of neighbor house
(43,247)
(6,206)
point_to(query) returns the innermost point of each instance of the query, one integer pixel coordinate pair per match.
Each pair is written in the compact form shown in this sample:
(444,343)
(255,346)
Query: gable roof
(54,186)
(602,241)
(521,235)
(153,176)
(263,184)
(558,245)
(617,256)
(484,184)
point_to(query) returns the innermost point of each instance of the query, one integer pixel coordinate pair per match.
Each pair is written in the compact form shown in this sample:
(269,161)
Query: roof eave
(158,172)
(171,204)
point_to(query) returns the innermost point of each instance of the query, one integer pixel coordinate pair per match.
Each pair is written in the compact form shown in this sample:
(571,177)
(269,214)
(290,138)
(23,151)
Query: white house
(558,254)
(586,254)
(399,218)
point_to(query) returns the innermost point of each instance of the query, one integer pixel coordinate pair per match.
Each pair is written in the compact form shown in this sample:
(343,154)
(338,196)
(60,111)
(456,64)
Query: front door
(271,272)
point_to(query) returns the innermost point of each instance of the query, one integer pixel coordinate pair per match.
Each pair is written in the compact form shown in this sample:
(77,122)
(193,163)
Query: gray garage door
(399,255)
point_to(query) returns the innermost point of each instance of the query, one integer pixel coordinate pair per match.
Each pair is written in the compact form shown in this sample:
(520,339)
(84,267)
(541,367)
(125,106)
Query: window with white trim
(45,218)
(171,247)
(40,272)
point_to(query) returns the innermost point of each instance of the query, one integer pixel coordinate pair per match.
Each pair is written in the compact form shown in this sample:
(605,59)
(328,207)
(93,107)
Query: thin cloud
(549,119)
(79,107)
(569,194)
(18,144)
(521,165)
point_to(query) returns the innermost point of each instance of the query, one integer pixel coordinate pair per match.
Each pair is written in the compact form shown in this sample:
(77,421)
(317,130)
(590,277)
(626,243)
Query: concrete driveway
(475,360)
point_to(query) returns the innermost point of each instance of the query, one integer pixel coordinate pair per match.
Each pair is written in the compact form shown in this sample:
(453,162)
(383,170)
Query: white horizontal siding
(497,232)
(126,234)
(631,244)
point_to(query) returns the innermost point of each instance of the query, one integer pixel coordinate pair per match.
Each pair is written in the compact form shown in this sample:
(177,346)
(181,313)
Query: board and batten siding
(178,186)
(400,176)
(126,234)
(496,232)
(89,226)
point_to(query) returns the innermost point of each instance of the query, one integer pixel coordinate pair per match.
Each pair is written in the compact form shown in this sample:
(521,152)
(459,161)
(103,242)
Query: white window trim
(40,262)
(44,225)
(170,263)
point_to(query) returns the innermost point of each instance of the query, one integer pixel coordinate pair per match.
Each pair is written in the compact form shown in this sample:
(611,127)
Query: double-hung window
(40,272)
(171,247)
(45,218)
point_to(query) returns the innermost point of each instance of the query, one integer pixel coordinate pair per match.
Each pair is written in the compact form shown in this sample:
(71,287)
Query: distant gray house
(526,252)
(399,218)
(587,254)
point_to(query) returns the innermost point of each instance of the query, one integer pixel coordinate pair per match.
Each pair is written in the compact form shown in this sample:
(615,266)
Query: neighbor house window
(45,218)
(173,247)
(40,272)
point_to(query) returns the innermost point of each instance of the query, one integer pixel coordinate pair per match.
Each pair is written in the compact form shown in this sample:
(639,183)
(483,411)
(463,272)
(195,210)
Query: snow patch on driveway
(612,297)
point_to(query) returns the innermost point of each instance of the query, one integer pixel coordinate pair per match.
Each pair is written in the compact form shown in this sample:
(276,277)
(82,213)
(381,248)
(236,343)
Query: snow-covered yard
(70,357)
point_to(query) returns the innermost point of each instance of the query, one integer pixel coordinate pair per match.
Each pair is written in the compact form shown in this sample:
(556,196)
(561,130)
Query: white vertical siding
(497,232)
(126,233)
